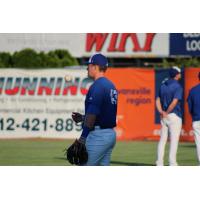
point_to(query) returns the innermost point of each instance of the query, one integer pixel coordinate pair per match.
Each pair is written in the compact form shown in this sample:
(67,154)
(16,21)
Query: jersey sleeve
(95,100)
(178,93)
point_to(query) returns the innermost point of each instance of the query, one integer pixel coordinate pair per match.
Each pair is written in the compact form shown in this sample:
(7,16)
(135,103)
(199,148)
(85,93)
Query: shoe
(158,163)
(173,164)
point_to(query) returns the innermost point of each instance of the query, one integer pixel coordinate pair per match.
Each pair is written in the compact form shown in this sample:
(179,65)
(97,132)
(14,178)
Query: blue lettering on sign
(136,96)
(185,44)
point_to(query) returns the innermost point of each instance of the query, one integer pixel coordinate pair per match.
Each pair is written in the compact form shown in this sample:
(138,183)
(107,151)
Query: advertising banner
(128,44)
(73,42)
(85,44)
(136,102)
(185,44)
(39,103)
(110,44)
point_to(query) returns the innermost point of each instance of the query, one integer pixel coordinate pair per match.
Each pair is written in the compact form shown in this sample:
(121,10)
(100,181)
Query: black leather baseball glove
(77,153)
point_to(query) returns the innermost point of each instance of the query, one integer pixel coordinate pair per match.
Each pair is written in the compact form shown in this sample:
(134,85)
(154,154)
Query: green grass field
(41,152)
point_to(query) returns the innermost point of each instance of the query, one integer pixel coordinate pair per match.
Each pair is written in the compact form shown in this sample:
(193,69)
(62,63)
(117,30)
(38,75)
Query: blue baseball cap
(174,71)
(98,59)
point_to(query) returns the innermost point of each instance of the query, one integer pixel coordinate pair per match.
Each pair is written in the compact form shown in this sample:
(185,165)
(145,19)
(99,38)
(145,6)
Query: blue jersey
(194,102)
(170,90)
(101,100)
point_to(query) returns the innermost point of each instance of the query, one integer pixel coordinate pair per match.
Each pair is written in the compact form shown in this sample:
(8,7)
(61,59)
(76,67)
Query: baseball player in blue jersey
(100,114)
(169,107)
(194,109)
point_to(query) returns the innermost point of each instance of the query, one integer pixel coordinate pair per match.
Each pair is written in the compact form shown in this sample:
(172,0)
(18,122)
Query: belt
(100,127)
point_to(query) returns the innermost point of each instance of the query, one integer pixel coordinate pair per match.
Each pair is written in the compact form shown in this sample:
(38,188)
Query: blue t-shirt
(101,100)
(169,90)
(194,102)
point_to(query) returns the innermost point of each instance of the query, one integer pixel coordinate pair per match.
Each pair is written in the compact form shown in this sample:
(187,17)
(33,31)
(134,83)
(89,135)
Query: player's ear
(97,67)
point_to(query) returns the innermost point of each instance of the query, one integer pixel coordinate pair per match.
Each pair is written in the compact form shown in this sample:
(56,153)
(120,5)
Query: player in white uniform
(168,105)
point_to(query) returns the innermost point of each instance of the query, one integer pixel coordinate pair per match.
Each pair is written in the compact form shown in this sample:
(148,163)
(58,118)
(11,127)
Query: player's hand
(82,140)
(164,114)
(77,117)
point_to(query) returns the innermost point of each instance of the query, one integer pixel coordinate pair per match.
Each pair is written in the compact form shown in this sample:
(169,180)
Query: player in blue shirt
(194,109)
(169,107)
(100,114)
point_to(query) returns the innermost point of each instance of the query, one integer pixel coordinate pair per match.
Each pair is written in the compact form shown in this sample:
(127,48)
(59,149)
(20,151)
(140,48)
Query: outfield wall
(39,103)
(137,115)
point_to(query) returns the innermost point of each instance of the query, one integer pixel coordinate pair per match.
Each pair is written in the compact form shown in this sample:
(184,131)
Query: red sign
(118,42)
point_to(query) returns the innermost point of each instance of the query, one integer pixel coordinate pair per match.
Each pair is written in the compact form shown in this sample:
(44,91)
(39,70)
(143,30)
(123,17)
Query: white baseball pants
(196,128)
(172,124)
